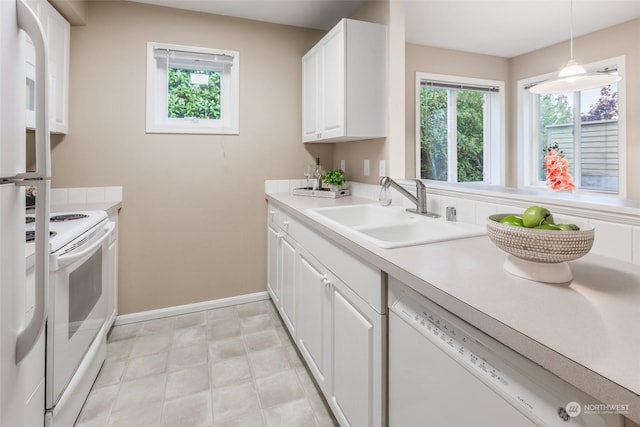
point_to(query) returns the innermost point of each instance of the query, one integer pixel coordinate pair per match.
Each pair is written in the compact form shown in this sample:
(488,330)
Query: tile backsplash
(70,196)
(617,236)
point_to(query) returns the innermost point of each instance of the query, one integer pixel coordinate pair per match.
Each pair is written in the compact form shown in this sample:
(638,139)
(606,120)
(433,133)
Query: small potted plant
(334,178)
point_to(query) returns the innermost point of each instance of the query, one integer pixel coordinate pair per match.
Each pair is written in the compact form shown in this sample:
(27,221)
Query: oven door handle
(71,257)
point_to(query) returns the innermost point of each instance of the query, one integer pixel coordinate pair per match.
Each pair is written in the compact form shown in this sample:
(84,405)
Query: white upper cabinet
(344,84)
(58,32)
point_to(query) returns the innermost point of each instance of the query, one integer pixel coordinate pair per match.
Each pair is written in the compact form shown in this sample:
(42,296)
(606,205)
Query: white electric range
(77,309)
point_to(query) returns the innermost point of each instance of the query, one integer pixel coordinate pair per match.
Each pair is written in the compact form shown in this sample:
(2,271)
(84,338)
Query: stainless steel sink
(393,227)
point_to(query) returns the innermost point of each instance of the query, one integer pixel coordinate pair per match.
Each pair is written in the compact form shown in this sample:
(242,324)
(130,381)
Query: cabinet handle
(325,280)
(285,223)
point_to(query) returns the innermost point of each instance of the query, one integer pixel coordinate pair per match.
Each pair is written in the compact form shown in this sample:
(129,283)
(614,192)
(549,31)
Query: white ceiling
(319,14)
(504,28)
(509,28)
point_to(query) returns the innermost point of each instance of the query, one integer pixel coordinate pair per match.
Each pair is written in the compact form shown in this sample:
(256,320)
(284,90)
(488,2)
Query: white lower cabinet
(287,280)
(340,333)
(357,375)
(273,243)
(314,308)
(281,266)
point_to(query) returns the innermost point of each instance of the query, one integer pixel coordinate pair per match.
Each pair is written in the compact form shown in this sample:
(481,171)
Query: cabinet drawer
(280,220)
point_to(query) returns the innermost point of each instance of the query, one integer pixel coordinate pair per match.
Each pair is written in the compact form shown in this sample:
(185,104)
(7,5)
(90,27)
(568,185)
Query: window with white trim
(460,129)
(586,126)
(192,89)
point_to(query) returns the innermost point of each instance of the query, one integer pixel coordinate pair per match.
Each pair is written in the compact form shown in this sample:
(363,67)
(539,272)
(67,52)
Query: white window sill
(194,131)
(573,202)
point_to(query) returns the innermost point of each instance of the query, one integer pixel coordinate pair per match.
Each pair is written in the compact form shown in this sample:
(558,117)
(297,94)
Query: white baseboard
(189,308)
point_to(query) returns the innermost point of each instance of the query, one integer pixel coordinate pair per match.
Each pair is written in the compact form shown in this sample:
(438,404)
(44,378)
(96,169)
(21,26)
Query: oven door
(77,306)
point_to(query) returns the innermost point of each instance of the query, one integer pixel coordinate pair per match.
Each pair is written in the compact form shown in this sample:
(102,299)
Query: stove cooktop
(66,226)
(68,217)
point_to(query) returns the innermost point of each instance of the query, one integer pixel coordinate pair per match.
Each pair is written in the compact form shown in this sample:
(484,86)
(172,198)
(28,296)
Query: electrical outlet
(382,170)
(366,168)
(343,165)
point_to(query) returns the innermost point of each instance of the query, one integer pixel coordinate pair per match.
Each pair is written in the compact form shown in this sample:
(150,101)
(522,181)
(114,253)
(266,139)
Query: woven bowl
(547,246)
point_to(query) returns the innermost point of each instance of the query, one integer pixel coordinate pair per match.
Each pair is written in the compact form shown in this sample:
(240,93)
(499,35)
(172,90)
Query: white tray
(325,193)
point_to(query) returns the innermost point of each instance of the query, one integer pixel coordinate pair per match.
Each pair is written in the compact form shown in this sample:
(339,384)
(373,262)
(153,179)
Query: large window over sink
(460,129)
(586,126)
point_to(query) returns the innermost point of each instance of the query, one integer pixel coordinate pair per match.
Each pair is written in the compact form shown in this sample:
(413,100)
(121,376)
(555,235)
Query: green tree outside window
(187,99)
(434,134)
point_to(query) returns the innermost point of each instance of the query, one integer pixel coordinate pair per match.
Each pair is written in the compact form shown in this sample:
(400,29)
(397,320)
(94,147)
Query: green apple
(536,215)
(547,227)
(568,227)
(514,220)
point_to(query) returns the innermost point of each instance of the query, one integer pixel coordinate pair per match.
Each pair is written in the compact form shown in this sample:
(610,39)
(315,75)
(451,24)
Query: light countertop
(108,207)
(584,332)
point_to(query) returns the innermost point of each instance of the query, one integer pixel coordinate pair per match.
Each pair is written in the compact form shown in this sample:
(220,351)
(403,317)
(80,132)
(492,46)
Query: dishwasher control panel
(526,386)
(453,340)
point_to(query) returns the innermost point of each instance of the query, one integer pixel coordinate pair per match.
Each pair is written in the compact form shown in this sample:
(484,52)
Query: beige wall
(623,39)
(194,219)
(443,61)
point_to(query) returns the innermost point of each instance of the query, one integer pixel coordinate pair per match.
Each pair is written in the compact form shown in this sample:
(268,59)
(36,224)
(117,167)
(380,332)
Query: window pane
(596,141)
(599,138)
(193,96)
(470,105)
(555,127)
(433,134)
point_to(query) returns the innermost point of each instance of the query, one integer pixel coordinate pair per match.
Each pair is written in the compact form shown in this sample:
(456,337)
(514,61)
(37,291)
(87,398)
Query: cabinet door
(273,242)
(287,285)
(58,32)
(112,281)
(313,317)
(332,99)
(356,395)
(310,94)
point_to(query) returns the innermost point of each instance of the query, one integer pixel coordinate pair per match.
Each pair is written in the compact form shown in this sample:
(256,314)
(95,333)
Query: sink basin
(393,227)
(364,215)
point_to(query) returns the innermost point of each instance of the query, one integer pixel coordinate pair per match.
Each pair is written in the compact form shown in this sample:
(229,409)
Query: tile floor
(233,366)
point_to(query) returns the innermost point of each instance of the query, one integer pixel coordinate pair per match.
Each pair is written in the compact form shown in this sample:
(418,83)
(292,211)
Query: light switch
(367,168)
(343,165)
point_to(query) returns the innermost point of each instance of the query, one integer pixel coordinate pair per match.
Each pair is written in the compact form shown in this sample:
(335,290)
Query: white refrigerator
(22,298)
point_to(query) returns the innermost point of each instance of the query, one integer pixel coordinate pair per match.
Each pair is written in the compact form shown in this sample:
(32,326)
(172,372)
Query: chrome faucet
(420,199)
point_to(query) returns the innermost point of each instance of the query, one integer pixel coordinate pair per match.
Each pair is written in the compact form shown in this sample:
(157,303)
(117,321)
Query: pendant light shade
(573,77)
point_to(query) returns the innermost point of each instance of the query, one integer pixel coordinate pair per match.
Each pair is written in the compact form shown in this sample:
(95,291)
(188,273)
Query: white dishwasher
(444,372)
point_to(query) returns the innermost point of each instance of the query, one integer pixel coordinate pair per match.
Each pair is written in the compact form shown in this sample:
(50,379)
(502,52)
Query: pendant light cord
(571,27)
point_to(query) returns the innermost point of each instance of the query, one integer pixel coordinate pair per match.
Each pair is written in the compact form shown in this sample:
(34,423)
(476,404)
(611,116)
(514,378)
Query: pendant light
(573,77)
